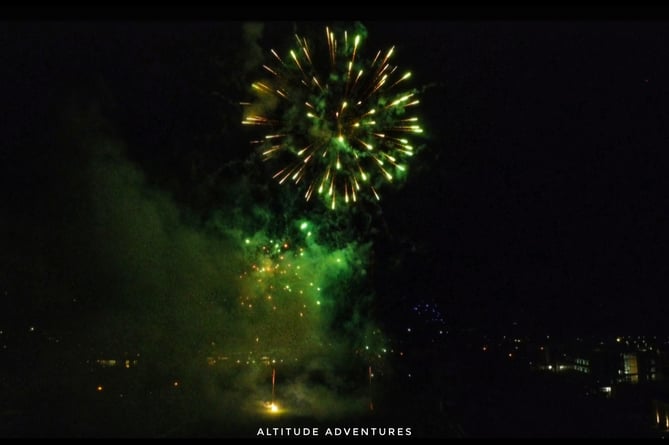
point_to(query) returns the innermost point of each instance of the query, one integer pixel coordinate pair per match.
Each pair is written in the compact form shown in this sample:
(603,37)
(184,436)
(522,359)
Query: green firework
(337,125)
(298,296)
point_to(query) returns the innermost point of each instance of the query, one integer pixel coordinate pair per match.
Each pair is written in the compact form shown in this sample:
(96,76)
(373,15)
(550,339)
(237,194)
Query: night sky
(539,197)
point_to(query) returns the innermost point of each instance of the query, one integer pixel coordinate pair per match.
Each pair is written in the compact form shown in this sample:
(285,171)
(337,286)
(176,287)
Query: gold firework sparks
(336,124)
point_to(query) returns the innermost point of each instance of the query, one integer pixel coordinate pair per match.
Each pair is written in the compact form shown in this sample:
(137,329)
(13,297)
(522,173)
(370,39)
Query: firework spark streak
(337,125)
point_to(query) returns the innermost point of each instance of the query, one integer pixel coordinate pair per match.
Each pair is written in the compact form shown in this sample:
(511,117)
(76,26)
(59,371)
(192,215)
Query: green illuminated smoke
(288,292)
(302,307)
(140,277)
(137,276)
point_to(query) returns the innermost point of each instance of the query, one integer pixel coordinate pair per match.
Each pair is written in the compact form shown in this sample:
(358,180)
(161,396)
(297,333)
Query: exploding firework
(337,124)
(287,293)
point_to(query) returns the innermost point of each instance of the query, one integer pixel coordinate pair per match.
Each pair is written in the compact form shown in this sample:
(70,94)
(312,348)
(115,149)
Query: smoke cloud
(164,323)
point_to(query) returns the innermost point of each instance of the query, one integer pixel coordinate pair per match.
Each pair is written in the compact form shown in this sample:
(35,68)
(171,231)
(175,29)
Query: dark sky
(540,197)
(546,199)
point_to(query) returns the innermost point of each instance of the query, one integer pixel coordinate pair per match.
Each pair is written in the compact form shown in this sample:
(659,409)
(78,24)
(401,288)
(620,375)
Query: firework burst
(337,125)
